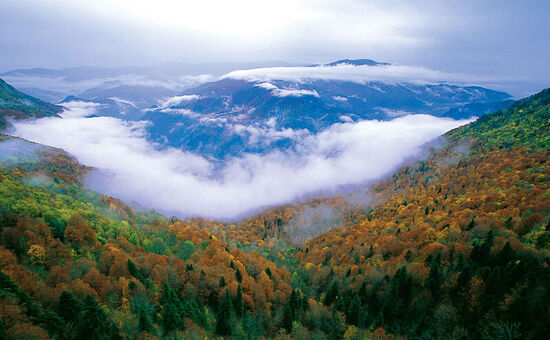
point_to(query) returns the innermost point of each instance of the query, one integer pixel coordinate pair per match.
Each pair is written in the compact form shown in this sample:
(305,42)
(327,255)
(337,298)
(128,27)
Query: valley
(452,245)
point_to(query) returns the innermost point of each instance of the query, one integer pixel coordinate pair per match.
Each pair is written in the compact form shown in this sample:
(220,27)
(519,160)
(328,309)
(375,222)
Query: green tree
(238,302)
(172,310)
(94,323)
(69,307)
(226,315)
(239,276)
(288,318)
(332,294)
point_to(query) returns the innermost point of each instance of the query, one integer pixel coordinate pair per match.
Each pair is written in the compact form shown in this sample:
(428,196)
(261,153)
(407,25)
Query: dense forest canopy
(454,246)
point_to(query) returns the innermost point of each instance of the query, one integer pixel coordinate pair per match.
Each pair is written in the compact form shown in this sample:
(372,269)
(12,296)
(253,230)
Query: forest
(453,246)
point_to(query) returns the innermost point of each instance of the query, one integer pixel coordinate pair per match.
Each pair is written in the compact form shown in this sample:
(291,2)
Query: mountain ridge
(17,105)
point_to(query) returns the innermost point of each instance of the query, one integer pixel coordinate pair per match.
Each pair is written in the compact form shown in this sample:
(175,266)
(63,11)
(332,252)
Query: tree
(332,294)
(78,233)
(171,310)
(94,323)
(288,318)
(238,302)
(226,315)
(69,307)
(239,276)
(145,323)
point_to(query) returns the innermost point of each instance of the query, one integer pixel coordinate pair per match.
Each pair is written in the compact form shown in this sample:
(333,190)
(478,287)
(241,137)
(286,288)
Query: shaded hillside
(17,105)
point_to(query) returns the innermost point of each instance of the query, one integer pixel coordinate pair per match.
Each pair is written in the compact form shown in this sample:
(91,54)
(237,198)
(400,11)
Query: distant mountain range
(91,83)
(204,109)
(234,115)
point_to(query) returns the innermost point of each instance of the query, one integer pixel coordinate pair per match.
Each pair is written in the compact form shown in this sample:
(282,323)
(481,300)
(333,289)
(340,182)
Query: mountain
(456,245)
(461,236)
(132,83)
(222,117)
(357,62)
(17,105)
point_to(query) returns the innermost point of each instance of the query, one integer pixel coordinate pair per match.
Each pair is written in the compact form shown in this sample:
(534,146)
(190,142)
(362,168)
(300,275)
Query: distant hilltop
(357,62)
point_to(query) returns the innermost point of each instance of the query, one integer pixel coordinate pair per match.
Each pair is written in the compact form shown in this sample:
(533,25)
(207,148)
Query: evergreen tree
(239,276)
(94,323)
(354,311)
(69,307)
(145,323)
(288,318)
(435,278)
(222,282)
(238,302)
(226,315)
(172,310)
(332,294)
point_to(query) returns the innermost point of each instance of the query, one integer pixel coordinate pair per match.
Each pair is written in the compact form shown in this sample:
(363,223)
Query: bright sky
(504,38)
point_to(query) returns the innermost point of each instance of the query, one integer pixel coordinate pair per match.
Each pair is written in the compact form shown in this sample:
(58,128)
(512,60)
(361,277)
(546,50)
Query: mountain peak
(357,62)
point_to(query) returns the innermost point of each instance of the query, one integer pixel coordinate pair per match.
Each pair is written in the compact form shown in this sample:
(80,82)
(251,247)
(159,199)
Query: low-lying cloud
(178,182)
(359,74)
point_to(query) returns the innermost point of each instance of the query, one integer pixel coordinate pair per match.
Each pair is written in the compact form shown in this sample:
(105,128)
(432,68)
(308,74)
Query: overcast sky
(508,39)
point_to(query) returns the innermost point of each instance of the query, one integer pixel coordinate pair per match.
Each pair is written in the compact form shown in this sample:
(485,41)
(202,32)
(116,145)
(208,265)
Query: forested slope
(455,246)
(460,247)
(17,105)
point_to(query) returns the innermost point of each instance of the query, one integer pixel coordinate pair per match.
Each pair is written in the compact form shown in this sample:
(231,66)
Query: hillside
(17,105)
(455,246)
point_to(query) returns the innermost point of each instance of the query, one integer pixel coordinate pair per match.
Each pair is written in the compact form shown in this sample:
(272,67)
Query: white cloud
(178,100)
(294,93)
(394,113)
(123,101)
(264,135)
(346,72)
(178,182)
(288,92)
(267,86)
(340,98)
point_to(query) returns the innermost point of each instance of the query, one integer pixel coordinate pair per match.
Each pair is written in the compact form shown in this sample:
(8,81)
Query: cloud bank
(178,182)
(359,74)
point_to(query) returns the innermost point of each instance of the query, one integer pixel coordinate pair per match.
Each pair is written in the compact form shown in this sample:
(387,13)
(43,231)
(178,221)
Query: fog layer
(176,182)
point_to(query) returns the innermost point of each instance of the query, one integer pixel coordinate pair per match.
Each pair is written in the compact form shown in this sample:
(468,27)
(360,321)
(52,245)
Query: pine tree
(145,323)
(332,294)
(69,307)
(226,315)
(222,282)
(94,323)
(239,276)
(238,302)
(288,318)
(353,310)
(172,310)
